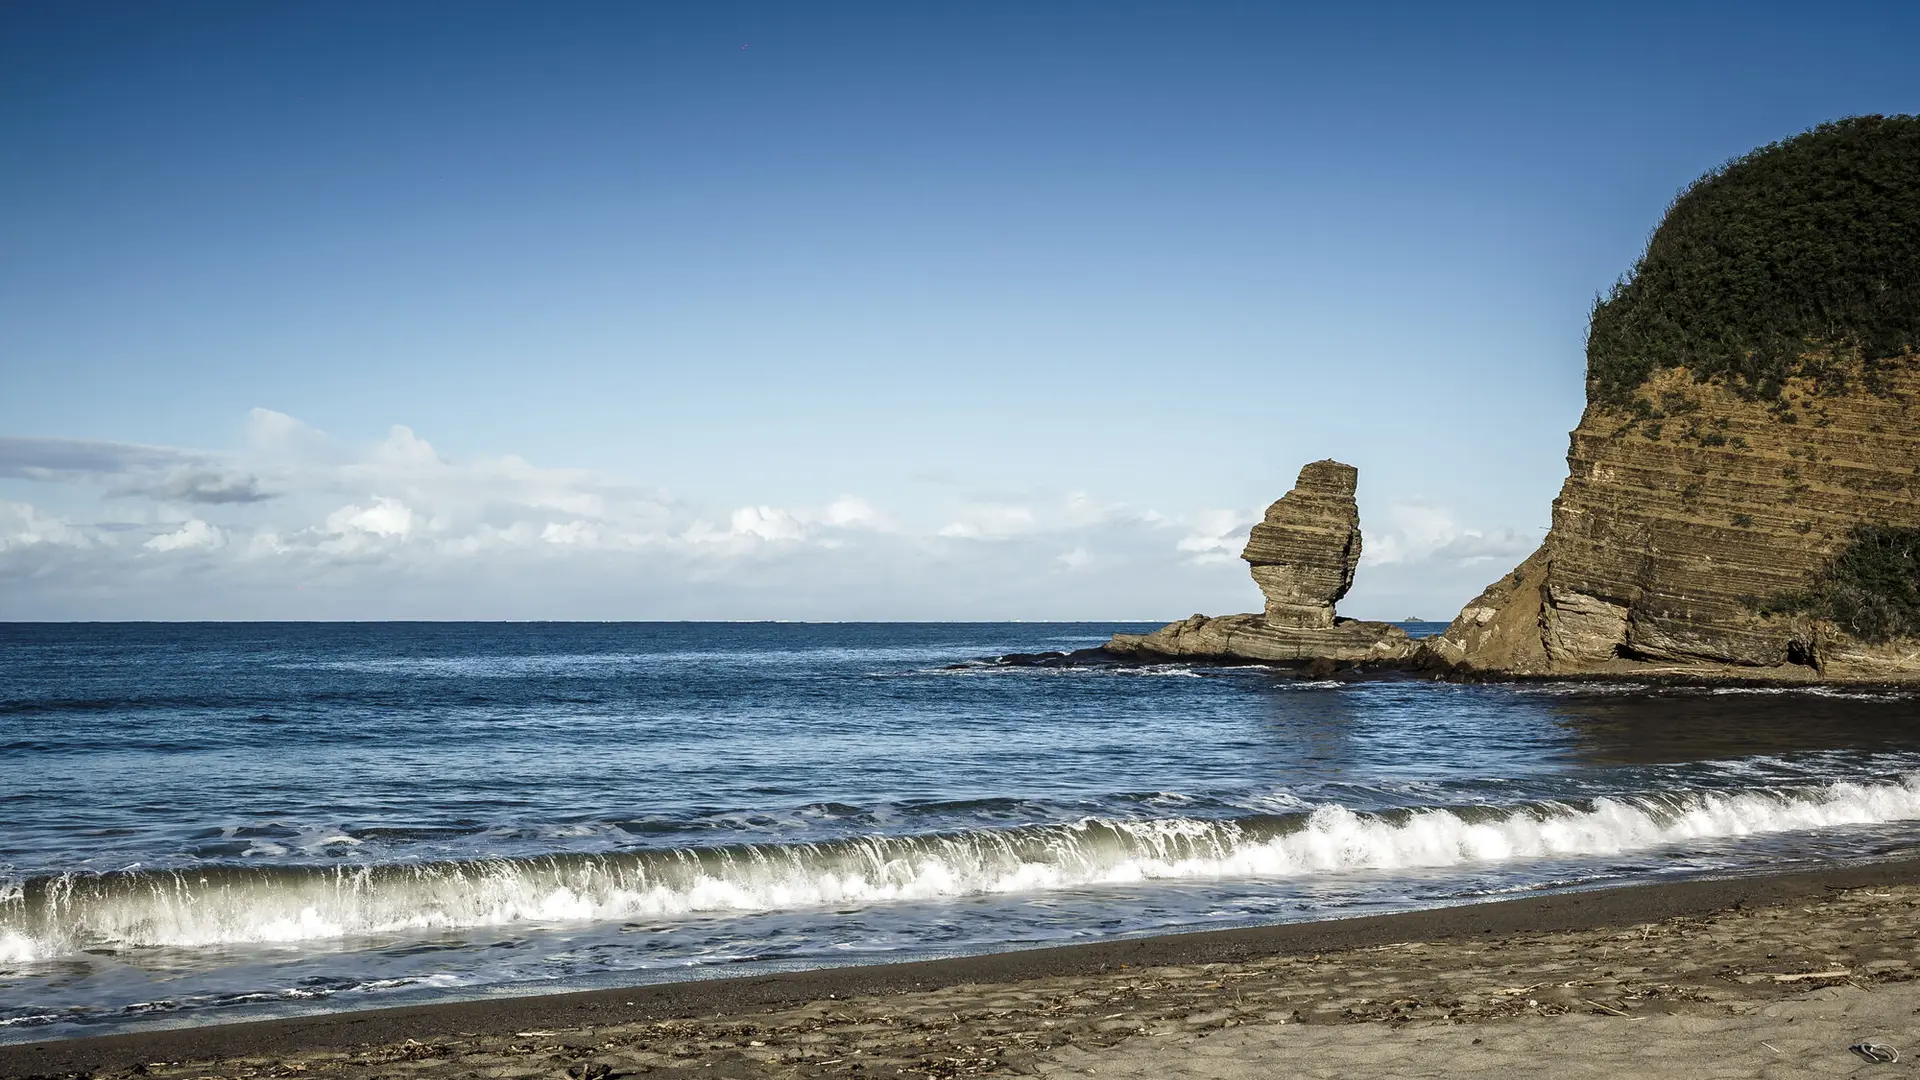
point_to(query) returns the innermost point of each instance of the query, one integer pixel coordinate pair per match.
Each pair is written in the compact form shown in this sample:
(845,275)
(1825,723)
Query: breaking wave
(53,915)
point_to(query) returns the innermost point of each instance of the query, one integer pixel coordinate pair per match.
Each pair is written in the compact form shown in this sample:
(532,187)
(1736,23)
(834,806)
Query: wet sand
(1763,976)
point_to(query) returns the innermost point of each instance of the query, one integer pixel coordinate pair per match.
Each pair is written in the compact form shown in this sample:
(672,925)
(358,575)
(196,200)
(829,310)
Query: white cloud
(278,435)
(1424,532)
(988,521)
(386,517)
(571,533)
(767,523)
(396,528)
(265,543)
(853,512)
(406,450)
(194,535)
(22,526)
(1216,536)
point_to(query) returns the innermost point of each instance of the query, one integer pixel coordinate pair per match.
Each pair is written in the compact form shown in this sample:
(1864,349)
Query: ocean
(207,822)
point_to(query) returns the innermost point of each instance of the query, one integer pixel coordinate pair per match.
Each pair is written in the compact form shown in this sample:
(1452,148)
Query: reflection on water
(1617,726)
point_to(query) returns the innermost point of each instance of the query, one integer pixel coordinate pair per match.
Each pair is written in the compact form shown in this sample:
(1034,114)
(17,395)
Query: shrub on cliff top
(1871,589)
(1807,244)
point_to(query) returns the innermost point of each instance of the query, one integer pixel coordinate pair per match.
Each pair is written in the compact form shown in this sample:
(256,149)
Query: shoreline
(742,996)
(1654,675)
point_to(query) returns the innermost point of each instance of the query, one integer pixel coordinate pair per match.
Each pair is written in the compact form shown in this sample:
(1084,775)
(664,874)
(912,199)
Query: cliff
(1743,489)
(1681,531)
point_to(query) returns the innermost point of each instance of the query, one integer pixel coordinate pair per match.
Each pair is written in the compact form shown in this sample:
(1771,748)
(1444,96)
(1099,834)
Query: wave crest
(222,905)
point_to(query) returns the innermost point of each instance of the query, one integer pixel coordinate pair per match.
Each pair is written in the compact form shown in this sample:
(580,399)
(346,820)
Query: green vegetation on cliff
(1804,246)
(1871,588)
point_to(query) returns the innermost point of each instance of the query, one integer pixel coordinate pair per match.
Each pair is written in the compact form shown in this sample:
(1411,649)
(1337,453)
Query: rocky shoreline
(1531,623)
(1425,666)
(1742,499)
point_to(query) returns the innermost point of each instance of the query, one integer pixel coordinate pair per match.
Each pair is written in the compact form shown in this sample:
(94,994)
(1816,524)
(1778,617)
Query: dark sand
(1753,976)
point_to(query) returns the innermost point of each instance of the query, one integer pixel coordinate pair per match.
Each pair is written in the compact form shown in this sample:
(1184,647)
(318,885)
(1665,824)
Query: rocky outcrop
(1743,489)
(1688,513)
(1251,638)
(1500,628)
(1303,554)
(1686,516)
(1306,548)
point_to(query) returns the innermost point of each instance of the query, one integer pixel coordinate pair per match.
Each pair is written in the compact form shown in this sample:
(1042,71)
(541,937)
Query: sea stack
(1303,555)
(1305,550)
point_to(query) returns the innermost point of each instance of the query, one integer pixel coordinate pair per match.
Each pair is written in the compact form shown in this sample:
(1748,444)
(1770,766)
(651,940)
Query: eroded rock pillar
(1304,552)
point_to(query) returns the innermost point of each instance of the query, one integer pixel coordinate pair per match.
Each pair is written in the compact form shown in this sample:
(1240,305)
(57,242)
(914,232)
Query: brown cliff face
(1499,630)
(1683,515)
(1305,550)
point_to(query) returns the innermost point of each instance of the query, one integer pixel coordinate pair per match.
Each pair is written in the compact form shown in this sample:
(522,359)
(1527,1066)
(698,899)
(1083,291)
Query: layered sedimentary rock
(1249,637)
(1743,489)
(1500,628)
(1306,548)
(1303,554)
(1687,514)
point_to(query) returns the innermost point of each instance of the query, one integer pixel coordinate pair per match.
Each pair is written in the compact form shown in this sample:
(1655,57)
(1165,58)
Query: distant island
(1743,489)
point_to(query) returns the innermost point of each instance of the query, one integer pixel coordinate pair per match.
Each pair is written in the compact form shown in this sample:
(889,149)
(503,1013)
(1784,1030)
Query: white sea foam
(188,909)
(1161,671)
(18,948)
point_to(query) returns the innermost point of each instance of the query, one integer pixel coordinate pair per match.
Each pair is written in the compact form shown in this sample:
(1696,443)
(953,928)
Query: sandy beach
(1767,976)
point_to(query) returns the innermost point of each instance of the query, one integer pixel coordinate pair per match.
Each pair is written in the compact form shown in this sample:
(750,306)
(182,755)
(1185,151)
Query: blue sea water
(220,821)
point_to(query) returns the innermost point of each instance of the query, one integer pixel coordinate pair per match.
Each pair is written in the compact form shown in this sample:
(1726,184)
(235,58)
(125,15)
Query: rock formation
(1678,524)
(1743,489)
(1305,550)
(1303,554)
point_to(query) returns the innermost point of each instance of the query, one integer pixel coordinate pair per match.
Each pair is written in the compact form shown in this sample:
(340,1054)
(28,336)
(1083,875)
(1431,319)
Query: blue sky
(825,310)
